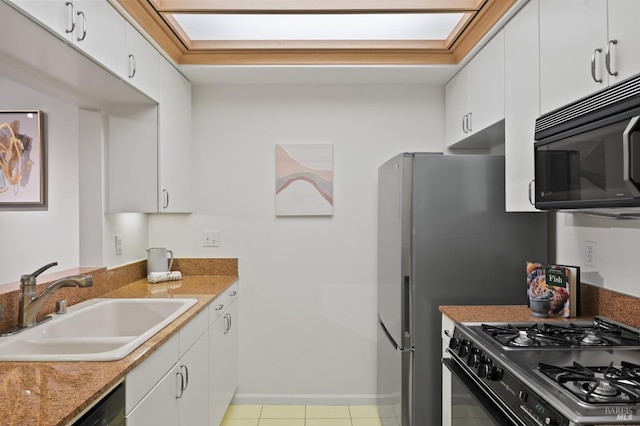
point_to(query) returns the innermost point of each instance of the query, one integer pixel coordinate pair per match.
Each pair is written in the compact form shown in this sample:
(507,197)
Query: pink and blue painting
(304,180)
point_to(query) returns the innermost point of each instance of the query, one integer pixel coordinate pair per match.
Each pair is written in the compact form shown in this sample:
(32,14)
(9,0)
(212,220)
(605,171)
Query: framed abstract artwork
(22,160)
(304,180)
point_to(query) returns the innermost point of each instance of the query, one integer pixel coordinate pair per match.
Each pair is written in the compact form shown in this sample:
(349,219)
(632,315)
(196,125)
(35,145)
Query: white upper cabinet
(522,105)
(57,15)
(132,145)
(174,149)
(457,107)
(142,63)
(100,33)
(583,43)
(486,85)
(94,26)
(625,31)
(475,97)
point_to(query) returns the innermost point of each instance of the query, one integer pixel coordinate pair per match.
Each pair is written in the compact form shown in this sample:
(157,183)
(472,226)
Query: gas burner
(523,339)
(597,385)
(591,339)
(599,389)
(598,333)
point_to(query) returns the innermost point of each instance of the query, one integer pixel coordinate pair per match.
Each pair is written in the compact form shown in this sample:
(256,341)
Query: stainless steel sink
(95,330)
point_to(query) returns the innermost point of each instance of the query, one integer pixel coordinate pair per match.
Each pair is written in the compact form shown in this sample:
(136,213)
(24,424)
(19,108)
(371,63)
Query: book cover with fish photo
(553,290)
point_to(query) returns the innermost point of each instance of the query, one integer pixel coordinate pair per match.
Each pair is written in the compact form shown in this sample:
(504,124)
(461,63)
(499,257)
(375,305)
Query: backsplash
(104,281)
(596,301)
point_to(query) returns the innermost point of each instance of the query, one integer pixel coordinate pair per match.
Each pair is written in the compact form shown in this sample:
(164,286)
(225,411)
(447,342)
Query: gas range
(555,373)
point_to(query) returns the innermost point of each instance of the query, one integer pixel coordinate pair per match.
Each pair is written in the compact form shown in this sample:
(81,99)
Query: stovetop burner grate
(598,385)
(599,333)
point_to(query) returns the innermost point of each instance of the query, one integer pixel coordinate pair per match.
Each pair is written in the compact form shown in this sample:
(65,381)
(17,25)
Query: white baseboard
(303,399)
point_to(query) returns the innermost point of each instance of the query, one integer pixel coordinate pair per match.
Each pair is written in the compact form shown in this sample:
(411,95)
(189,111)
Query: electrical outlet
(590,253)
(211,239)
(118,244)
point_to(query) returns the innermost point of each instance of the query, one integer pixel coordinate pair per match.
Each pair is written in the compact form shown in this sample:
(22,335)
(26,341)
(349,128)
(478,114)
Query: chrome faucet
(30,304)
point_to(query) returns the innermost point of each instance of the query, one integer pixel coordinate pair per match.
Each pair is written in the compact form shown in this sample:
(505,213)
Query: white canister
(159,259)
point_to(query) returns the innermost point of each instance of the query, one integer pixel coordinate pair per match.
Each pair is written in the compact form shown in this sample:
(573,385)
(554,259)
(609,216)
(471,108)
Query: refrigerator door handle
(392,340)
(386,333)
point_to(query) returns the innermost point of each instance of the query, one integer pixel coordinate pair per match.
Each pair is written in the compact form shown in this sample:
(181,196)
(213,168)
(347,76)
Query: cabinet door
(223,358)
(217,358)
(56,15)
(570,33)
(132,144)
(522,105)
(142,63)
(231,353)
(456,107)
(160,405)
(486,85)
(624,28)
(447,325)
(100,32)
(175,189)
(194,366)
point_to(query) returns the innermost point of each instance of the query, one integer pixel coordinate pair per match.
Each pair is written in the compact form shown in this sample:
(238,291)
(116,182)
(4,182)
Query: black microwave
(587,154)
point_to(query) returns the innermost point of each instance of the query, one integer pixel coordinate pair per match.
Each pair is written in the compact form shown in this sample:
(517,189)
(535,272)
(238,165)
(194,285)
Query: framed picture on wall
(22,160)
(304,180)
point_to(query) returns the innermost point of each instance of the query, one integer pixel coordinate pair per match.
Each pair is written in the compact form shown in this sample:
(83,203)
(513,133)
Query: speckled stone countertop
(55,393)
(494,313)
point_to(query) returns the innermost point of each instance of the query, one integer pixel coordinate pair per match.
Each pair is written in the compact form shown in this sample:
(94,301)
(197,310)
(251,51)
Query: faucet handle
(31,278)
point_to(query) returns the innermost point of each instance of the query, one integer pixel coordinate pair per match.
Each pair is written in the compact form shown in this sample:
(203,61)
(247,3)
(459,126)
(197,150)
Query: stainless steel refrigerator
(444,238)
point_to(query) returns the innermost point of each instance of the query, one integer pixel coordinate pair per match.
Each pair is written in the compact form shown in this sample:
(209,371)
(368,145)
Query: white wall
(308,292)
(72,230)
(32,238)
(617,243)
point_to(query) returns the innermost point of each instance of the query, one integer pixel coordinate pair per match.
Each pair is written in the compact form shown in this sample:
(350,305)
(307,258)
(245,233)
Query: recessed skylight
(357,26)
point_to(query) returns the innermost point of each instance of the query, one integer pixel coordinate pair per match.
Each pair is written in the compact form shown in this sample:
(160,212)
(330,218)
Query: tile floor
(301,415)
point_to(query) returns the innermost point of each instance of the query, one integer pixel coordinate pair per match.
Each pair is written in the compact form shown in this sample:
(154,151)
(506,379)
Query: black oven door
(472,405)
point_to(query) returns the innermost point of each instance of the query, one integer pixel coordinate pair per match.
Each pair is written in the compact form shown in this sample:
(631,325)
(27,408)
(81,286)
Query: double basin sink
(95,330)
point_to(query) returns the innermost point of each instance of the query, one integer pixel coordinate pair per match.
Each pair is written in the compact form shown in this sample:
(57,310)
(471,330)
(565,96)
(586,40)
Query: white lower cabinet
(190,380)
(223,351)
(178,396)
(447,330)
(160,405)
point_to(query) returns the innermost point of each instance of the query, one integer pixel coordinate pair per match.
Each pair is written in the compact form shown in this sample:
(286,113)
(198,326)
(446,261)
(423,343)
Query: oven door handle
(494,407)
(626,157)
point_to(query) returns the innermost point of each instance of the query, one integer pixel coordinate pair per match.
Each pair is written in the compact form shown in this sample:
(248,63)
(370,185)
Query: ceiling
(164,21)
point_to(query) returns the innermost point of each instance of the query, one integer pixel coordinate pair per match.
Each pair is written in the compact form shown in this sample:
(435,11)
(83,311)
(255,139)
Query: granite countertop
(55,393)
(494,313)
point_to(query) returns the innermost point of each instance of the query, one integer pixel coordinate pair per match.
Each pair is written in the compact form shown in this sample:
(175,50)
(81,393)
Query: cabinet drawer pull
(73,18)
(593,65)
(186,376)
(165,195)
(132,66)
(233,293)
(607,58)
(180,377)
(219,307)
(84,25)
(227,326)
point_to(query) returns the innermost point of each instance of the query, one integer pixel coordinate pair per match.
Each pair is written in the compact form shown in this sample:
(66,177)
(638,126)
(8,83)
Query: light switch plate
(211,239)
